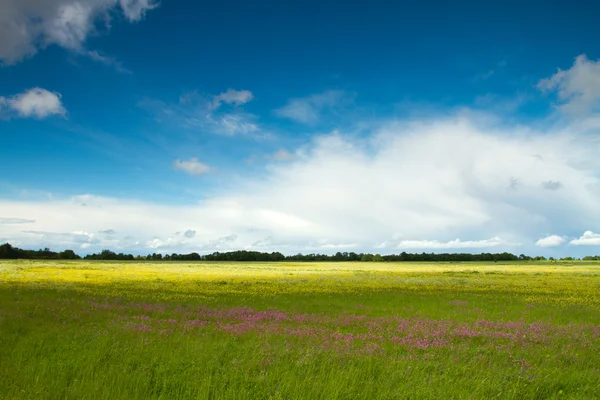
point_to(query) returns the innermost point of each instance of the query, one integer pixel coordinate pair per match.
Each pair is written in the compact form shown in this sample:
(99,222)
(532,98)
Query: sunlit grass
(75,329)
(566,283)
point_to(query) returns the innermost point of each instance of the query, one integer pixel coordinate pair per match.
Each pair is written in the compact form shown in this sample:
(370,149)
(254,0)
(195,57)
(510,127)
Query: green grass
(96,330)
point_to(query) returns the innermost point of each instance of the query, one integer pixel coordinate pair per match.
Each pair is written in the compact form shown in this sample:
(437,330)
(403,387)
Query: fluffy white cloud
(452,244)
(232,96)
(309,110)
(28,25)
(550,241)
(589,238)
(36,102)
(192,166)
(433,181)
(578,88)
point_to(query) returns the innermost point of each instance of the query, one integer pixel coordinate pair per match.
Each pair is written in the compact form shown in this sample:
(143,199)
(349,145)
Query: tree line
(7,251)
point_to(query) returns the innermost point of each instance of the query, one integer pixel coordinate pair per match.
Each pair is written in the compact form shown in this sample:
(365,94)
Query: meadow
(120,330)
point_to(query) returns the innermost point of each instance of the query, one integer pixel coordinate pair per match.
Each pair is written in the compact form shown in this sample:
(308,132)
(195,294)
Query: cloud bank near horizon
(462,183)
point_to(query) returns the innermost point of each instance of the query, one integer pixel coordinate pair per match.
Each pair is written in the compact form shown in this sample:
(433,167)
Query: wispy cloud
(231,124)
(208,113)
(310,110)
(16,221)
(232,96)
(107,60)
(452,244)
(192,166)
(488,74)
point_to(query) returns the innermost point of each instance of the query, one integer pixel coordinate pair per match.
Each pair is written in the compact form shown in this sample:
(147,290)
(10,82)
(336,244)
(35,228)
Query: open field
(103,330)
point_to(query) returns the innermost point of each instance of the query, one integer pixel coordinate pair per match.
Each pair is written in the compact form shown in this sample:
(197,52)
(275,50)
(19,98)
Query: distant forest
(7,251)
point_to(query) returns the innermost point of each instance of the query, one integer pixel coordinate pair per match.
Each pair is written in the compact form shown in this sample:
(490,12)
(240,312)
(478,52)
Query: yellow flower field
(143,330)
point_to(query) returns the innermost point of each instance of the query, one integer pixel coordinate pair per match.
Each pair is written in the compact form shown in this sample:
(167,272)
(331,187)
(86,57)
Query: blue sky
(300,126)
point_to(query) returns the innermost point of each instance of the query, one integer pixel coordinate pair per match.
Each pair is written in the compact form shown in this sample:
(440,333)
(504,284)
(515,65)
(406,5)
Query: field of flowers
(104,330)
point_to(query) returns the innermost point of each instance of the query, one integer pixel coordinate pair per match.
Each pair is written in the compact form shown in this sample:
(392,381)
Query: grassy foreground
(99,330)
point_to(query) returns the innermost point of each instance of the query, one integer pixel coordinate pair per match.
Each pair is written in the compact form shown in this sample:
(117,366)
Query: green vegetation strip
(108,330)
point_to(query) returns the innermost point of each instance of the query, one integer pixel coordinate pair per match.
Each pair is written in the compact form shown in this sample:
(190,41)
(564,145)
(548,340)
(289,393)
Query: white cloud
(75,238)
(578,88)
(107,60)
(70,25)
(36,102)
(430,180)
(232,96)
(226,243)
(157,243)
(192,166)
(13,220)
(28,25)
(338,246)
(300,111)
(589,238)
(309,110)
(135,10)
(232,124)
(452,244)
(550,241)
(204,113)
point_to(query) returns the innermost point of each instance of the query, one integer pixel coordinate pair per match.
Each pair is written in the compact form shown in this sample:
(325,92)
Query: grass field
(100,330)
